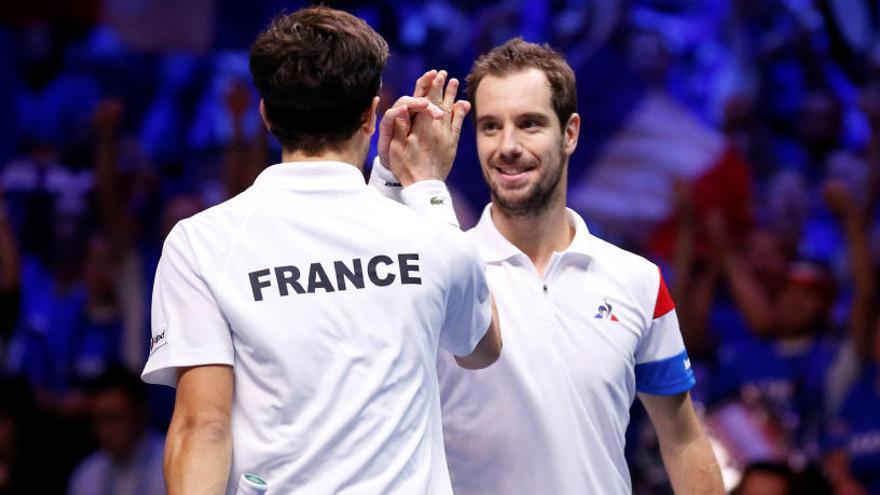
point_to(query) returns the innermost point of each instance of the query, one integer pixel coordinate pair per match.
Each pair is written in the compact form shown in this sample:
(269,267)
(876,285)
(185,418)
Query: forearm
(862,311)
(198,450)
(748,294)
(111,207)
(691,466)
(695,329)
(686,452)
(488,350)
(197,457)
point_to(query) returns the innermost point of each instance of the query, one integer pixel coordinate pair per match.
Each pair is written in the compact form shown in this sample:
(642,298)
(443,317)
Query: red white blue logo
(605,312)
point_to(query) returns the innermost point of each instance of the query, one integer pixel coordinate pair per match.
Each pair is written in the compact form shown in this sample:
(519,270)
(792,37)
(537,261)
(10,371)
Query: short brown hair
(517,55)
(317,70)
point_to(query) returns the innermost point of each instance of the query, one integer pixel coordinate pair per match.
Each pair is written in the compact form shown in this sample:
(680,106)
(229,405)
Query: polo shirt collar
(322,175)
(494,247)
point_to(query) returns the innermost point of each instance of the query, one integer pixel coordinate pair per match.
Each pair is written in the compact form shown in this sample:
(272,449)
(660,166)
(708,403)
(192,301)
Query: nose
(510,148)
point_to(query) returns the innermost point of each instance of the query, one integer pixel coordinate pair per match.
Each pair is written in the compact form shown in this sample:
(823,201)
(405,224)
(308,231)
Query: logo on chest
(605,312)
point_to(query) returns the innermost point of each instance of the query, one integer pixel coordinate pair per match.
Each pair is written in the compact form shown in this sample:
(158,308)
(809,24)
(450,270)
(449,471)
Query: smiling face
(522,148)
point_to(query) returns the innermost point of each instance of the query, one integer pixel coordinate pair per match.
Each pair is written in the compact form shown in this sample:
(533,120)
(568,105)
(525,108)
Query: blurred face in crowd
(178,208)
(804,302)
(522,148)
(649,56)
(767,259)
(820,121)
(118,422)
(763,483)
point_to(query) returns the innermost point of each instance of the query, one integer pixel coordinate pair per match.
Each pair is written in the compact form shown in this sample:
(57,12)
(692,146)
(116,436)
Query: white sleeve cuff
(430,198)
(384,181)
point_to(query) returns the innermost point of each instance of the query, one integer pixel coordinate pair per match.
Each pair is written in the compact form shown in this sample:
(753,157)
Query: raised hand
(406,105)
(418,146)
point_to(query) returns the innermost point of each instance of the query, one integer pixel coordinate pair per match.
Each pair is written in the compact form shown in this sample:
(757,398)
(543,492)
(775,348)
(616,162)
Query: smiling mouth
(512,171)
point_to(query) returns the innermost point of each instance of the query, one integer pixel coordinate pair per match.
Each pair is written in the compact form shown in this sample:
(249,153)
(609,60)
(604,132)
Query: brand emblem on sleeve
(157,340)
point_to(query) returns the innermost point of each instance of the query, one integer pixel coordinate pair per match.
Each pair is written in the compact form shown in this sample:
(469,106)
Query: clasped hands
(418,135)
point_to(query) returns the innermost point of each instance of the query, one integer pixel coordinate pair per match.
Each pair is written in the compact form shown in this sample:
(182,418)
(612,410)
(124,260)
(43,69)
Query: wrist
(384,181)
(431,199)
(407,180)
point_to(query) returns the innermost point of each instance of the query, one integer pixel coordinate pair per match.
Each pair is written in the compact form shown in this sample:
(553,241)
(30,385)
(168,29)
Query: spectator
(129,457)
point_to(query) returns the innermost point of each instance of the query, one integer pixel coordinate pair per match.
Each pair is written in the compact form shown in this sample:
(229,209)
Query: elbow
(478,360)
(201,430)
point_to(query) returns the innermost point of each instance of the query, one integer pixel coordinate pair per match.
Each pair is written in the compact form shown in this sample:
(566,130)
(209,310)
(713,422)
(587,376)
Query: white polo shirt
(550,415)
(330,302)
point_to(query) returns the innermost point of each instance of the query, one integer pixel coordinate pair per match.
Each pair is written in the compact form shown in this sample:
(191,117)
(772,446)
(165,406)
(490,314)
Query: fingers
(417,105)
(401,126)
(423,84)
(386,132)
(396,148)
(435,91)
(460,110)
(449,95)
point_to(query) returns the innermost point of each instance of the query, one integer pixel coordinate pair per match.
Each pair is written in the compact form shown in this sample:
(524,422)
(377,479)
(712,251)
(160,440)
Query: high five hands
(418,135)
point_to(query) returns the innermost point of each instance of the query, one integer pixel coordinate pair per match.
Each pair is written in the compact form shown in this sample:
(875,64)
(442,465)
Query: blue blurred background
(734,142)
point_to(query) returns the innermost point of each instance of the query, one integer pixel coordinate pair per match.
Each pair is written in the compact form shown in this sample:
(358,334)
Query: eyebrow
(534,116)
(528,115)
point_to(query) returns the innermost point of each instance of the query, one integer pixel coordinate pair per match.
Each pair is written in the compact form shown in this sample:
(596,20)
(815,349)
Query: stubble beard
(538,198)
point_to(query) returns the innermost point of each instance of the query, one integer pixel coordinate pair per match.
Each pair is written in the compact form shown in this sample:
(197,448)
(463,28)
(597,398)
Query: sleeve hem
(165,372)
(683,385)
(476,340)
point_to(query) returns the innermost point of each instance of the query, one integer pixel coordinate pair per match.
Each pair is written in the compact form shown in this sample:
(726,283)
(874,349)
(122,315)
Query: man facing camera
(300,321)
(587,324)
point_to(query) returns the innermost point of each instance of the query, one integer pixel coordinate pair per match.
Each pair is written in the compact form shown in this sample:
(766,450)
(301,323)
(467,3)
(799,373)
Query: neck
(348,154)
(538,235)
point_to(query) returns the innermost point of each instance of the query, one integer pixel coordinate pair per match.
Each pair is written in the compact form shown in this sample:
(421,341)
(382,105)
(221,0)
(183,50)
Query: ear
(263,115)
(570,134)
(368,119)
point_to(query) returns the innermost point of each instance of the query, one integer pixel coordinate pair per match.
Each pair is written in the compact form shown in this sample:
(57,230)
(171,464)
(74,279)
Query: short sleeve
(662,364)
(468,307)
(188,327)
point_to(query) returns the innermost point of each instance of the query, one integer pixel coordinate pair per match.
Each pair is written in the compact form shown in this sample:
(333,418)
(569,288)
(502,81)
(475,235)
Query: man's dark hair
(517,55)
(317,70)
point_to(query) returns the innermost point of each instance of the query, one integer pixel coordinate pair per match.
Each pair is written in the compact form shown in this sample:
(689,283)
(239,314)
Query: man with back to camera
(587,324)
(301,319)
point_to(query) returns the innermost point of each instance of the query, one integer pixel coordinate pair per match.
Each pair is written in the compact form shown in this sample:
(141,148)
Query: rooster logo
(605,312)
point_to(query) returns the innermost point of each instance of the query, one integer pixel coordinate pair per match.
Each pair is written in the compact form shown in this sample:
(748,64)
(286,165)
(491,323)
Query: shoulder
(210,234)
(218,218)
(633,272)
(454,239)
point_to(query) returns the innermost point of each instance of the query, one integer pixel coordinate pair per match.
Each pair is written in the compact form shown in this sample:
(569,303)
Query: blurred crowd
(734,142)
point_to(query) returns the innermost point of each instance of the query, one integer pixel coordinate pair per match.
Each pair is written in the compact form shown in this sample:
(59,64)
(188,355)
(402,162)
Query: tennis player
(588,326)
(301,320)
